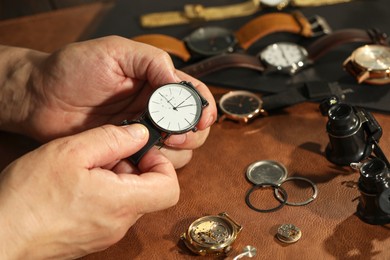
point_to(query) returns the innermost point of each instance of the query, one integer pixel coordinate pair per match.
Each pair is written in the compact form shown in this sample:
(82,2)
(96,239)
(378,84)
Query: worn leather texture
(214,181)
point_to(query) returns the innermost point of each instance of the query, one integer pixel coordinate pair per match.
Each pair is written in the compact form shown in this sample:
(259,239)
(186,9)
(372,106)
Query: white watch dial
(373,57)
(175,108)
(284,55)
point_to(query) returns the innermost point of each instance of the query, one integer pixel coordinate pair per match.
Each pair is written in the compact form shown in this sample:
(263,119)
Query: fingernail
(137,131)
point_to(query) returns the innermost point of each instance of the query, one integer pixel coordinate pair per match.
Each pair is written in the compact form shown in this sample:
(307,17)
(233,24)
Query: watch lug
(361,77)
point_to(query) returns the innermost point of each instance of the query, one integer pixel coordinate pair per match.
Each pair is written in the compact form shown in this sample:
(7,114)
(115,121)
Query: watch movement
(211,235)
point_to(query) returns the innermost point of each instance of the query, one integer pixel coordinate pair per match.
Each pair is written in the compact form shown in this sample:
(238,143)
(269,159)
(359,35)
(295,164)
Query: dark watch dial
(210,41)
(240,104)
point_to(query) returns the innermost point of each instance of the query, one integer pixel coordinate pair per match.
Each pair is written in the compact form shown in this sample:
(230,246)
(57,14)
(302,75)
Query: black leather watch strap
(154,137)
(301,92)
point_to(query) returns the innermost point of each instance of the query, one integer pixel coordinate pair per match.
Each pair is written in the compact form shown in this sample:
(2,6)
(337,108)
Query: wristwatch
(198,12)
(211,235)
(285,57)
(243,106)
(211,40)
(370,64)
(174,108)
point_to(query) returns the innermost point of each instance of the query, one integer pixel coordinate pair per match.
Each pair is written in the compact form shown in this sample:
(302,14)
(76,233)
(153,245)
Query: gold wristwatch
(370,64)
(211,235)
(198,12)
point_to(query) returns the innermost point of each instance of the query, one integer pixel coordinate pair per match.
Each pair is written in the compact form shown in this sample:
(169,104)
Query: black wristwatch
(243,106)
(174,108)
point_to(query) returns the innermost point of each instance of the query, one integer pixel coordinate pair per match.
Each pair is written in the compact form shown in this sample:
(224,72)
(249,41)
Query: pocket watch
(211,235)
(370,64)
(174,108)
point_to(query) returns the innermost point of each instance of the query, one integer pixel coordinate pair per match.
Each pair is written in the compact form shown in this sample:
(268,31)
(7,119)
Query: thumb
(106,144)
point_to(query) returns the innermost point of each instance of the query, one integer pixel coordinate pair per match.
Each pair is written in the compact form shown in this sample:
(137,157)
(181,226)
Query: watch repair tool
(248,251)
(288,233)
(353,132)
(374,187)
(312,184)
(212,235)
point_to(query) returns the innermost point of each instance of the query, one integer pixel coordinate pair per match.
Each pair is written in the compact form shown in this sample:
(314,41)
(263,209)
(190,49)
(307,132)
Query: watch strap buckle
(319,26)
(377,36)
(195,12)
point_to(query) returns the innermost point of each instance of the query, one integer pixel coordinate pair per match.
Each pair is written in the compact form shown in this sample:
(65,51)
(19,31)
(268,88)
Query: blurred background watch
(243,106)
(370,64)
(212,40)
(286,57)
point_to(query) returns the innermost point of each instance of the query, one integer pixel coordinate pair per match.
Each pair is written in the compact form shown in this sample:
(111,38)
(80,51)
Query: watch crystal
(210,41)
(374,57)
(175,108)
(284,55)
(240,103)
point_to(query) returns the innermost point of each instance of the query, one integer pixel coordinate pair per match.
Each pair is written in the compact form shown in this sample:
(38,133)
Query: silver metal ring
(313,185)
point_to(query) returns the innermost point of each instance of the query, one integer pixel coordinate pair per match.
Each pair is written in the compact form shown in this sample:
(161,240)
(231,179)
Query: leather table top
(214,181)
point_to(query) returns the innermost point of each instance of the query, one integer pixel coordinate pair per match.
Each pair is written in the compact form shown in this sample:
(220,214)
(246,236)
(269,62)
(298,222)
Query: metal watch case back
(370,64)
(211,235)
(284,57)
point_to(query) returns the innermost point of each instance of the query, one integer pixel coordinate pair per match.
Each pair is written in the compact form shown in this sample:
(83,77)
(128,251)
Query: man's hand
(72,196)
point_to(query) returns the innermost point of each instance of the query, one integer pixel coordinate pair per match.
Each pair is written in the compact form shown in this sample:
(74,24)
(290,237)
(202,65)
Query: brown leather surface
(214,181)
(167,43)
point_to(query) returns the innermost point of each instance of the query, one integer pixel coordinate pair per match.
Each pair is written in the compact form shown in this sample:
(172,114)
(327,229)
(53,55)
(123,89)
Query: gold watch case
(370,64)
(240,105)
(211,235)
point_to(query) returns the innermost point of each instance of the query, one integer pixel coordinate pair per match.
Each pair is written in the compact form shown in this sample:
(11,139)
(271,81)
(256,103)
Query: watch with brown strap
(286,57)
(211,40)
(370,64)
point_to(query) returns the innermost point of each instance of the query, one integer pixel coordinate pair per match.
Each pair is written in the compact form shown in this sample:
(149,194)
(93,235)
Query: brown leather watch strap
(224,61)
(294,22)
(326,43)
(167,43)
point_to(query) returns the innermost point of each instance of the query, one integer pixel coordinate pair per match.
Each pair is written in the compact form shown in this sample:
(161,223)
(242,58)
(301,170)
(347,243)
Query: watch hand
(169,101)
(175,108)
(190,105)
